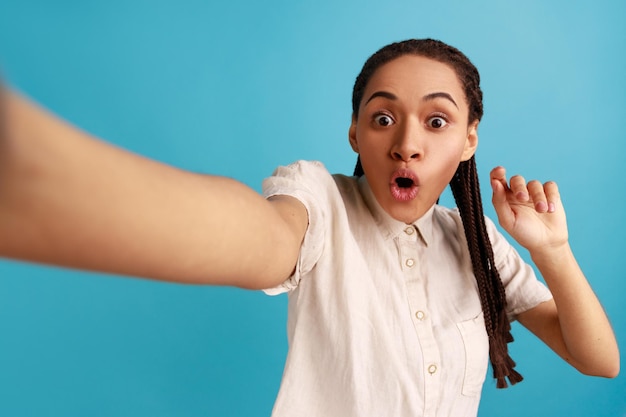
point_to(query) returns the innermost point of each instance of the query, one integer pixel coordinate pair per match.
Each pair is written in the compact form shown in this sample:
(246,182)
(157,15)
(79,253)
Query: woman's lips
(404,185)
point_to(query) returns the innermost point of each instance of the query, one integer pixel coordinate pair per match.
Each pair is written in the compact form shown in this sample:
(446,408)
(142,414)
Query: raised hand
(573,323)
(532,213)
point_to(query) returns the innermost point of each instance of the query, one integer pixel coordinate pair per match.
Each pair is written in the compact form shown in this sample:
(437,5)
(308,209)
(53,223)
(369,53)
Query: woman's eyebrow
(384,94)
(432,96)
(427,97)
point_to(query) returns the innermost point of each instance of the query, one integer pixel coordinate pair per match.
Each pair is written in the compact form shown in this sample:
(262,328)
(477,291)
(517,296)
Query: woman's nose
(407,145)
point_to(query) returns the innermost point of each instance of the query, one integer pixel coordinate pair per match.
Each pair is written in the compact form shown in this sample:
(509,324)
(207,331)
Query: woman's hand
(573,324)
(531,212)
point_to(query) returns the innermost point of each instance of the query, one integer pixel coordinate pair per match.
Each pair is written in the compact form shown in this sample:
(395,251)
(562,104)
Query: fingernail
(541,207)
(551,207)
(522,196)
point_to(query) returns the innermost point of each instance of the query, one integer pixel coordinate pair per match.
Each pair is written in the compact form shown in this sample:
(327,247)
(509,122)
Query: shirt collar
(389,226)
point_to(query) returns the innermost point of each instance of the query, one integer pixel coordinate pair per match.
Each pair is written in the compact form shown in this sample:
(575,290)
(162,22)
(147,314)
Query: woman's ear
(352,135)
(471,142)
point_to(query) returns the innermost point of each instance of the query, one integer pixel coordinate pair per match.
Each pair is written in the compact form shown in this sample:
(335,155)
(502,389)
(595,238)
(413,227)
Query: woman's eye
(383,120)
(437,122)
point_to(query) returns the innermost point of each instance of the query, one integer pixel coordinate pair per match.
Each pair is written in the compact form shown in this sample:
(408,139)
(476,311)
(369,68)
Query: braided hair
(466,192)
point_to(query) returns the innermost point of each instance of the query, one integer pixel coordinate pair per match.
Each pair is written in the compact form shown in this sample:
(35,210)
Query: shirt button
(409,230)
(432,369)
(420,315)
(410,262)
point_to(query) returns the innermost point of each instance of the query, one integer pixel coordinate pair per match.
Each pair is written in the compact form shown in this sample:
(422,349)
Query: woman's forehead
(416,71)
(410,75)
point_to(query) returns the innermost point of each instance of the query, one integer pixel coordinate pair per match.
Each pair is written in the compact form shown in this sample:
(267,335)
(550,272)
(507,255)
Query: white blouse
(384,317)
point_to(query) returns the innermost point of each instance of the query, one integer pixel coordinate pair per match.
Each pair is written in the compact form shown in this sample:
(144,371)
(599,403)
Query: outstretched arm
(72,200)
(574,323)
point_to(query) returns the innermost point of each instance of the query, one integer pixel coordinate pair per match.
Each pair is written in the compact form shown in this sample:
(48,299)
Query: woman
(395,302)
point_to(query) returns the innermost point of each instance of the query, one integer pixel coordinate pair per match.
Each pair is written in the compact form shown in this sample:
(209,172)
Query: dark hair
(466,191)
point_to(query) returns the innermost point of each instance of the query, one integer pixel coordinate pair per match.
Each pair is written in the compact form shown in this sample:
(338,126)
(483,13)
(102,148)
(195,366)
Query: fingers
(544,197)
(552,195)
(518,187)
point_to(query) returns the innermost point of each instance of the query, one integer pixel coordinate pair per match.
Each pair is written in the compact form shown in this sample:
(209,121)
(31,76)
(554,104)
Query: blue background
(239,87)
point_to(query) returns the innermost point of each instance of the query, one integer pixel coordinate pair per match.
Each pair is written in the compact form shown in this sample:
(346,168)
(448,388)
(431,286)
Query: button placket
(408,254)
(411,253)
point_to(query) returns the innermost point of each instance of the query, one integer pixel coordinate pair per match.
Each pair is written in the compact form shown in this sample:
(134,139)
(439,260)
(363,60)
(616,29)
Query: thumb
(499,200)
(499,193)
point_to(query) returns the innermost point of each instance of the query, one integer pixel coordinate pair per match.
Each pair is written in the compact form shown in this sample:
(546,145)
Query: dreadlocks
(466,192)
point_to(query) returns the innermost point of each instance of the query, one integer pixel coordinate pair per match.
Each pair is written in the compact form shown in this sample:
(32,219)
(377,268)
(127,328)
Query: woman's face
(411,134)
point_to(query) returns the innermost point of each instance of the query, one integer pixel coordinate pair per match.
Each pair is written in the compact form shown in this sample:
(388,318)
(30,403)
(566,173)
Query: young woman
(396,304)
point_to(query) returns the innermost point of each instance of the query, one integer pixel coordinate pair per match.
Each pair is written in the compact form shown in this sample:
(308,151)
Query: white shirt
(384,317)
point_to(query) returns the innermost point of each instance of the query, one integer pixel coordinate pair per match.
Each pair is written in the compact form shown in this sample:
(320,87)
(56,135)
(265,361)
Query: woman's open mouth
(404,185)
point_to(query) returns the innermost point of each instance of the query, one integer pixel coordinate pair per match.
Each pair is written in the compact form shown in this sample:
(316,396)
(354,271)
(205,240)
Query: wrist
(552,255)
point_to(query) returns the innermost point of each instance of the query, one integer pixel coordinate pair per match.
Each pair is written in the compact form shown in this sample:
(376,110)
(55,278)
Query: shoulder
(299,179)
(300,175)
(301,168)
(309,178)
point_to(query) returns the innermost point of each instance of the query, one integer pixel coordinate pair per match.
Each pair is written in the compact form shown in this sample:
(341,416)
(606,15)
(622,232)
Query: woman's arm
(574,323)
(72,200)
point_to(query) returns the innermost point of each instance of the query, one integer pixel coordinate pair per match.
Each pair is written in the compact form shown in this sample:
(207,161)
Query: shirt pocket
(476,345)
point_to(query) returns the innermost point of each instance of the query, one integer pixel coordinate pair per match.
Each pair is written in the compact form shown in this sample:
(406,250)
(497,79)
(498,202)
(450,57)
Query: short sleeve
(307,182)
(523,290)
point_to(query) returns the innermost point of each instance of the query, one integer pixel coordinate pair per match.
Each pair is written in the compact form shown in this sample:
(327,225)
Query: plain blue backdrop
(239,87)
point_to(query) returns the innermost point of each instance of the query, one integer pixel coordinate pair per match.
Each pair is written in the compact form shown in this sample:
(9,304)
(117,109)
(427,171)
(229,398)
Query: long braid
(466,191)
